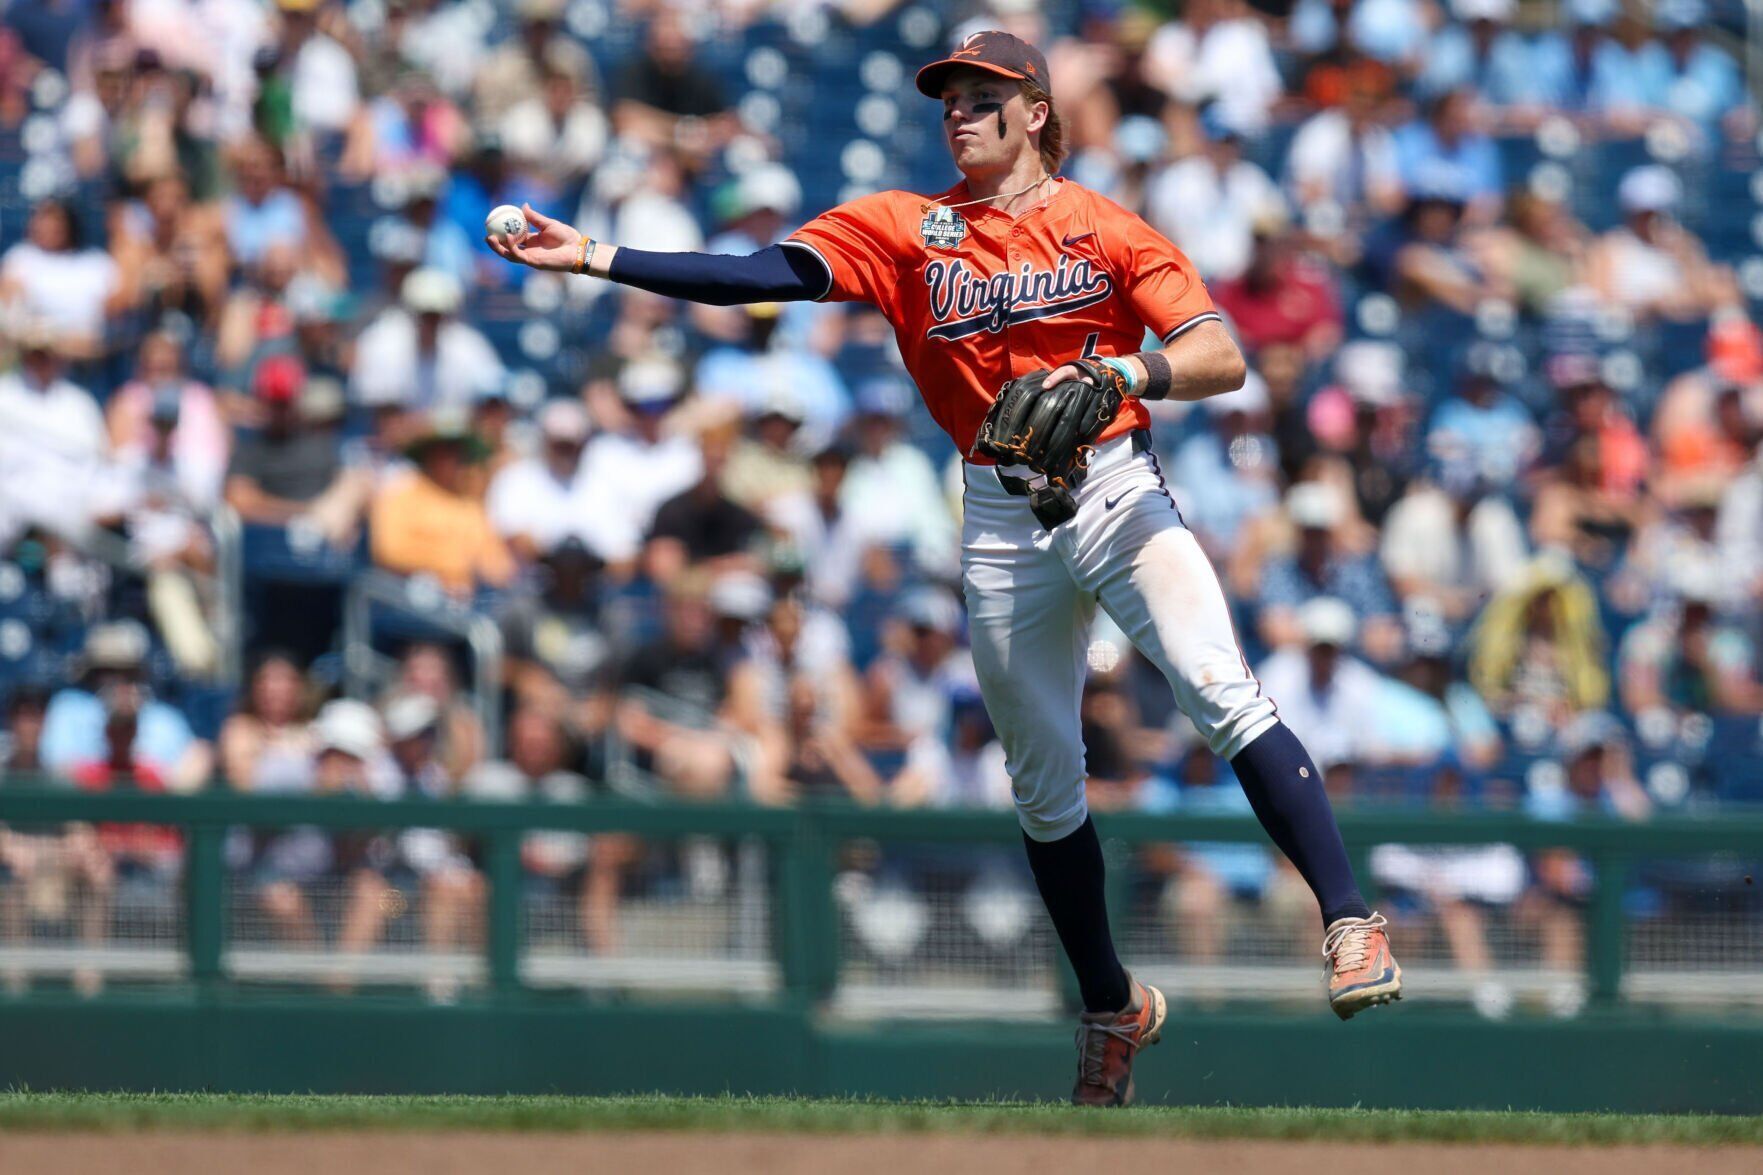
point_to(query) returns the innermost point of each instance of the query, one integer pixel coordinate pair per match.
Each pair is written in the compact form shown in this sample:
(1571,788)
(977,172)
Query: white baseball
(504,222)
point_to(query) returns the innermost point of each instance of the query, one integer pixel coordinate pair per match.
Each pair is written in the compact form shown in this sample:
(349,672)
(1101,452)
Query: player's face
(985,120)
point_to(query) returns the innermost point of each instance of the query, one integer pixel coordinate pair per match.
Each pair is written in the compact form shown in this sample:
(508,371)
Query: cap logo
(968,48)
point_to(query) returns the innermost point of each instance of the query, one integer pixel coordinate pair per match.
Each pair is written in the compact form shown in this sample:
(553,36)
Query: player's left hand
(548,243)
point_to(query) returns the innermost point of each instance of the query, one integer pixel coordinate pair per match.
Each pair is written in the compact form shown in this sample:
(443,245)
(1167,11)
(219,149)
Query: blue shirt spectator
(1442,155)
(1483,53)
(1482,434)
(1392,31)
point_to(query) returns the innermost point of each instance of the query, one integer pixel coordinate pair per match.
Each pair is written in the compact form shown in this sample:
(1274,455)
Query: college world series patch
(942,228)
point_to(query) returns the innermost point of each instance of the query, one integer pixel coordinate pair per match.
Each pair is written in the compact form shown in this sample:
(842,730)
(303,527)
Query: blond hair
(1052,132)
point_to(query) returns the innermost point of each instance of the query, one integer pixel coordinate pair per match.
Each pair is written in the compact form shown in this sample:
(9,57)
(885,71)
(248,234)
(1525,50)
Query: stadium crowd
(1489,506)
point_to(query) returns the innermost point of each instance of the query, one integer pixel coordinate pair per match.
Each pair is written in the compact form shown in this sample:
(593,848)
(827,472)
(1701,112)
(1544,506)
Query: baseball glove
(1052,431)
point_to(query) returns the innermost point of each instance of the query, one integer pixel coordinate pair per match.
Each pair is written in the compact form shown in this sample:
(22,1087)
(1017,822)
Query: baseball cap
(933,609)
(348,726)
(430,291)
(1595,13)
(770,185)
(564,420)
(1251,397)
(1371,371)
(278,379)
(1499,11)
(116,644)
(409,715)
(1314,505)
(1327,621)
(740,595)
(652,382)
(1652,188)
(1677,15)
(994,51)
(1572,369)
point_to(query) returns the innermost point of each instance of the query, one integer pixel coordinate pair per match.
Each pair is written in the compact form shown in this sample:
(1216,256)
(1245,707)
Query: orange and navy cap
(993,51)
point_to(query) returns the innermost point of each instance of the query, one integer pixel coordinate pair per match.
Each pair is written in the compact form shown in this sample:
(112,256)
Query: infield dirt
(791,1154)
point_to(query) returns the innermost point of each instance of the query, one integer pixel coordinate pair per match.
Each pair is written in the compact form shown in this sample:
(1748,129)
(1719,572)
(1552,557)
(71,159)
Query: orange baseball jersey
(978,297)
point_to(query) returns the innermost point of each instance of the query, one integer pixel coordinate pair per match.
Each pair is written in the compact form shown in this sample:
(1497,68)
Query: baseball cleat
(1360,968)
(1107,1043)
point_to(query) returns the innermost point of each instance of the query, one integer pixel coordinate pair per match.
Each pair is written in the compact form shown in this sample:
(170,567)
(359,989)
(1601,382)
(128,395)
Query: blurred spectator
(1427,258)
(671,698)
(1482,433)
(823,759)
(1321,567)
(1481,51)
(701,526)
(768,464)
(291,472)
(408,129)
(1707,423)
(911,689)
(555,641)
(1327,696)
(510,73)
(665,99)
(1599,781)
(1650,265)
(202,438)
(1446,155)
(1341,166)
(51,442)
(890,489)
(829,537)
(318,73)
(263,212)
(1683,660)
(1213,884)
(1450,545)
(1537,651)
(160,495)
(131,864)
(538,502)
(419,354)
(629,471)
(1445,719)
(560,132)
(1210,202)
(1539,252)
(1392,31)
(1283,296)
(291,868)
(1226,473)
(21,744)
(1696,81)
(53,276)
(266,745)
(427,670)
(444,245)
(557,864)
(761,370)
(1218,52)
(170,254)
(1576,66)
(1588,496)
(426,522)
(74,729)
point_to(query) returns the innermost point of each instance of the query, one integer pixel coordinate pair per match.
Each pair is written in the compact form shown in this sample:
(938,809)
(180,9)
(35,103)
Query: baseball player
(1020,301)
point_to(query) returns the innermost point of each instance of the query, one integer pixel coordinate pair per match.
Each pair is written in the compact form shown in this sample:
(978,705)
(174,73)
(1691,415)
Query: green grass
(130,1112)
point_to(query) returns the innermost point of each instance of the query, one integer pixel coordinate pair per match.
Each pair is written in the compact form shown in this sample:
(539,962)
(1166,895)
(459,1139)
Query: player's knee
(1048,814)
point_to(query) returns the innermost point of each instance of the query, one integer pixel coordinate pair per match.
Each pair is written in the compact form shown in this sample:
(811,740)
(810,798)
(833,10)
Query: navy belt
(1018,486)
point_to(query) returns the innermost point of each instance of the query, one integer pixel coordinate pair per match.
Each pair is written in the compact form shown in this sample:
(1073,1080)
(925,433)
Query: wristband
(584,253)
(1158,377)
(1127,373)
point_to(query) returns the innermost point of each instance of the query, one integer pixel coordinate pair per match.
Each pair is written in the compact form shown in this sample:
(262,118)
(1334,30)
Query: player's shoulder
(1095,202)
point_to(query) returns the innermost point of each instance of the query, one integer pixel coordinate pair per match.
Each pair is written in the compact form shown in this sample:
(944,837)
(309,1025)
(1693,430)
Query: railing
(806,848)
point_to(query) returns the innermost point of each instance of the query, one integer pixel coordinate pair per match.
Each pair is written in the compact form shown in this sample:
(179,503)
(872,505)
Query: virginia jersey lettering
(977,297)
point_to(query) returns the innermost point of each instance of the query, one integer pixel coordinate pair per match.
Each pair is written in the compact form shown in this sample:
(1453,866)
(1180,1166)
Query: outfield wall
(1427,1061)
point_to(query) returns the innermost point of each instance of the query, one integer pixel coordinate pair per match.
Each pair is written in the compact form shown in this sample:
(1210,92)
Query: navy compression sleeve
(774,274)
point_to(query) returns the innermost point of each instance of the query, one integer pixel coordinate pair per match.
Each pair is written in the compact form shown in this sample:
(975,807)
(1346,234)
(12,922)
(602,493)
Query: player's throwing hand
(548,243)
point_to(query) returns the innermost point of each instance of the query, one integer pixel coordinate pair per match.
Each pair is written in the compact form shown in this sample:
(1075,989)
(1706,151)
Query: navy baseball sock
(1068,872)
(1285,789)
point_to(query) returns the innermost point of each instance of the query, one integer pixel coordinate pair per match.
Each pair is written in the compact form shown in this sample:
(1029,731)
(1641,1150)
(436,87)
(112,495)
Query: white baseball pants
(1031,596)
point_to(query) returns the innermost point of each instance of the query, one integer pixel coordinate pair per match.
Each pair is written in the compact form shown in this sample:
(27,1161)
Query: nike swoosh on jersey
(1072,239)
(1110,503)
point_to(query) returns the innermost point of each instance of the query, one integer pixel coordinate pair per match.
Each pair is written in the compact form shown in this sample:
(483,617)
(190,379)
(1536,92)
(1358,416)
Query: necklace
(1045,177)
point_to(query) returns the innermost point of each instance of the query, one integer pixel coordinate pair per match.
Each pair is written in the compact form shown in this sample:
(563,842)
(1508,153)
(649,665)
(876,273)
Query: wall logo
(942,228)
(966,303)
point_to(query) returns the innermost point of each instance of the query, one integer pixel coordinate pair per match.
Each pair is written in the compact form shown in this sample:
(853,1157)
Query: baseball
(505,221)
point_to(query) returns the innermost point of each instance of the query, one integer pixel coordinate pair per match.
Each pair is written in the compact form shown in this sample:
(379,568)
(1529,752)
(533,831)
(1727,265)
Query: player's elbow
(1225,367)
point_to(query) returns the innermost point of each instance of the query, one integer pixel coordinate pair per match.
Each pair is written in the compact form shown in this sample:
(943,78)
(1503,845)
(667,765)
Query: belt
(1019,487)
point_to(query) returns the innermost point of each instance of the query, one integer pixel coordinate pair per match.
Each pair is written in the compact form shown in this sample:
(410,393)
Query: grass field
(184,1113)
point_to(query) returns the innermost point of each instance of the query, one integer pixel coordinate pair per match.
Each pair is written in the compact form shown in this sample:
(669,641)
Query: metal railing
(805,847)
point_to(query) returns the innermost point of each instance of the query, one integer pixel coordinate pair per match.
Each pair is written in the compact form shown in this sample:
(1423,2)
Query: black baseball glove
(1052,431)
